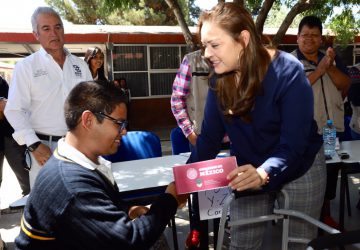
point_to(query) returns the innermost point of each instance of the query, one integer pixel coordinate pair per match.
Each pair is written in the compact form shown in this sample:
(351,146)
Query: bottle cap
(329,122)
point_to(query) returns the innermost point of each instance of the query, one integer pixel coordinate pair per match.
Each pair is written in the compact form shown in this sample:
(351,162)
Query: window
(164,57)
(149,70)
(160,83)
(136,82)
(129,58)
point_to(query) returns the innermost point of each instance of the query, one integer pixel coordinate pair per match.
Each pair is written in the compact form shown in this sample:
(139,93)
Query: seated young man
(75,203)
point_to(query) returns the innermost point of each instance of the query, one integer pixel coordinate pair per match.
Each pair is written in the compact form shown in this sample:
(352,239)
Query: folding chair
(278,214)
(137,145)
(336,240)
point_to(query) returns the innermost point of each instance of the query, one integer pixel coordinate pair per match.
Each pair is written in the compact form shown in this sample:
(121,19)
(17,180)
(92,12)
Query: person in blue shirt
(262,99)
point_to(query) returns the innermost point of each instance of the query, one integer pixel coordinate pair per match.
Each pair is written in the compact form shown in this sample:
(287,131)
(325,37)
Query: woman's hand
(247,177)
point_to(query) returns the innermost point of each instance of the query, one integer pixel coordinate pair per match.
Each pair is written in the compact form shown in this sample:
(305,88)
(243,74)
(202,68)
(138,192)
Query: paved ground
(10,191)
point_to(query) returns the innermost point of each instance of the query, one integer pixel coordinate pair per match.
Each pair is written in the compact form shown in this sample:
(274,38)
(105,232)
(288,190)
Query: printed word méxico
(218,169)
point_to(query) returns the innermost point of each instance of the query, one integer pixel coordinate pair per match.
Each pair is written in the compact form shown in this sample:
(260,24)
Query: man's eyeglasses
(122,123)
(308,36)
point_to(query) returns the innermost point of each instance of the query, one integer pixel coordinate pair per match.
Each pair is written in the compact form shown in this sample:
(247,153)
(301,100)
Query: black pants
(15,155)
(332,176)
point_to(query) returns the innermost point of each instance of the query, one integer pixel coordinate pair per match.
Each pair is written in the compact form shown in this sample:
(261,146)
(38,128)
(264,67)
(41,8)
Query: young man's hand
(181,199)
(2,107)
(137,211)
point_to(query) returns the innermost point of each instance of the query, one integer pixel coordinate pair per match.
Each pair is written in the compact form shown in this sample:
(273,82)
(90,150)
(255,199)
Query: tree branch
(239,2)
(264,11)
(174,6)
(298,8)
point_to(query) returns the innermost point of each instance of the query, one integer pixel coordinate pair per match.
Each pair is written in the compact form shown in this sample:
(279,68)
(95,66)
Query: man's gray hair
(42,10)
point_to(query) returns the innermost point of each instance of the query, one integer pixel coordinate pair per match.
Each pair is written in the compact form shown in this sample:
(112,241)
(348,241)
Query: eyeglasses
(312,36)
(122,123)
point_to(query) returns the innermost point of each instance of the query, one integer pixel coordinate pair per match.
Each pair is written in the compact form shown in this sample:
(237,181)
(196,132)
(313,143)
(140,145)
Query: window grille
(149,70)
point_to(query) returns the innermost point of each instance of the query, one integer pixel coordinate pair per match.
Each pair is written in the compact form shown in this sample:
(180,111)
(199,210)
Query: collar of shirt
(44,53)
(76,156)
(301,56)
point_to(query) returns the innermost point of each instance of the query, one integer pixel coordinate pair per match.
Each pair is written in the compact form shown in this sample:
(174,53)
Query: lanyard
(324,97)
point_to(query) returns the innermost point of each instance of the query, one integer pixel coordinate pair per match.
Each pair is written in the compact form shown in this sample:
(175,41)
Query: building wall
(146,112)
(149,114)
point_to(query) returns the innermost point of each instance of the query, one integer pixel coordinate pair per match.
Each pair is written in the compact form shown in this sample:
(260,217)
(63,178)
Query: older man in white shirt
(40,84)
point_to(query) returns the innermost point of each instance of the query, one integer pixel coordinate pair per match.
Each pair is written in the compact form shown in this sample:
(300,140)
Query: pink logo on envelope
(204,175)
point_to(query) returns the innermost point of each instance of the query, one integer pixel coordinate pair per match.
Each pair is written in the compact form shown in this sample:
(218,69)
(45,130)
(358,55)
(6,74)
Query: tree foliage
(82,12)
(123,12)
(282,13)
(296,9)
(346,25)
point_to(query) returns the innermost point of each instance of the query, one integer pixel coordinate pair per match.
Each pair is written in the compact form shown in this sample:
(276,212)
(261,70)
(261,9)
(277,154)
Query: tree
(183,12)
(261,8)
(344,22)
(81,12)
(122,12)
(174,6)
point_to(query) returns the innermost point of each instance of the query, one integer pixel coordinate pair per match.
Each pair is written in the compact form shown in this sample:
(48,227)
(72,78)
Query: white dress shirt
(37,94)
(71,153)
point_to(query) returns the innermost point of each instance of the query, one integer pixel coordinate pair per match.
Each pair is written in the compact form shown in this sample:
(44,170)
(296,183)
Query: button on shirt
(37,94)
(69,152)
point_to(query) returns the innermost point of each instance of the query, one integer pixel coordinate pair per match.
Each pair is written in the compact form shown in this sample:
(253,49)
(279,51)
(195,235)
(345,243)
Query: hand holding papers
(205,175)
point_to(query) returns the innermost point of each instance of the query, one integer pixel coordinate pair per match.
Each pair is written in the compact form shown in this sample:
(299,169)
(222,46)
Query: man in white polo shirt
(40,84)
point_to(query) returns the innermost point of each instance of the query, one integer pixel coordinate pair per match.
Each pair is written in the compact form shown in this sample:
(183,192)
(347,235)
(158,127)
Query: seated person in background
(354,99)
(94,57)
(122,85)
(75,203)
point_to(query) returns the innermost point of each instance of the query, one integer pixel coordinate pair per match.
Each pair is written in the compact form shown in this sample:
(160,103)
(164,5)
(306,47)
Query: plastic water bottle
(329,137)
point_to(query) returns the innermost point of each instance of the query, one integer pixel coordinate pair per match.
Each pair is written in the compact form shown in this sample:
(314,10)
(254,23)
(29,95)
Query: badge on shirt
(77,70)
(40,72)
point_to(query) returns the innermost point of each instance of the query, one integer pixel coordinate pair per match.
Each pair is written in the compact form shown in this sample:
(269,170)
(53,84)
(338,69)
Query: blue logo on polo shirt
(77,70)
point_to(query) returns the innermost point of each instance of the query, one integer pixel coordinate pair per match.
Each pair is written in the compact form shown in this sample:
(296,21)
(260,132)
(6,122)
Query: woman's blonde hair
(237,90)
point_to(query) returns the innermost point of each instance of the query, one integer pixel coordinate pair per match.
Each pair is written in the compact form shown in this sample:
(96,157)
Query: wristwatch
(34,146)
